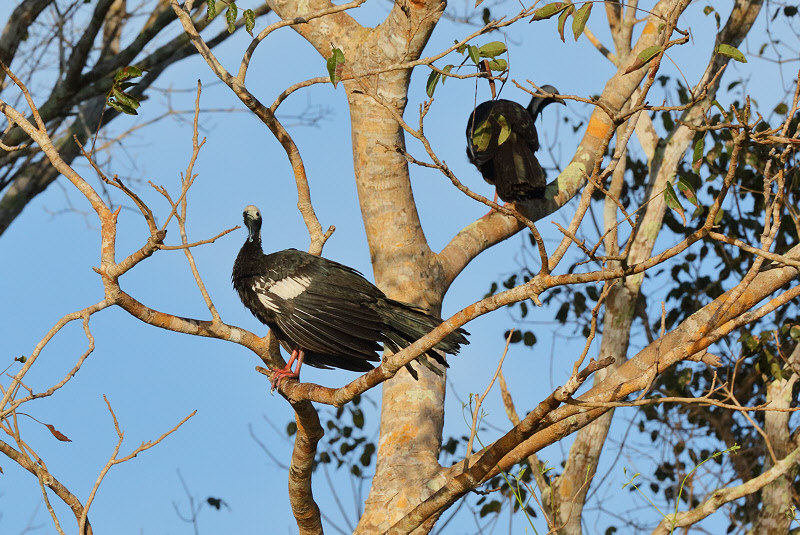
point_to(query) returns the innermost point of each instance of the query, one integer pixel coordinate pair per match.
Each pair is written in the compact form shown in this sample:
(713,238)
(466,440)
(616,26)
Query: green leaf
(498,65)
(230,17)
(212,9)
(126,73)
(122,108)
(672,201)
(529,339)
(718,217)
(447,69)
(688,191)
(516,336)
(369,451)
(249,21)
(781,109)
(794,332)
(461,48)
(580,19)
(124,98)
(562,20)
(707,10)
(358,418)
(505,130)
(430,85)
(482,135)
(548,10)
(732,52)
(493,49)
(493,506)
(334,64)
(474,55)
(697,156)
(644,57)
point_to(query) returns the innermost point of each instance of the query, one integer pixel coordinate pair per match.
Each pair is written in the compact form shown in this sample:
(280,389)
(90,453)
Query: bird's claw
(280,375)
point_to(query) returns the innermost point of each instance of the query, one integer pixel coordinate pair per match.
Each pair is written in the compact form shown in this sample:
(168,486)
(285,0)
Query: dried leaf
(58,434)
(562,20)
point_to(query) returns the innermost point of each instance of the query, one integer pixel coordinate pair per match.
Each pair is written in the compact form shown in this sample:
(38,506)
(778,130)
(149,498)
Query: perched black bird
(501,142)
(324,313)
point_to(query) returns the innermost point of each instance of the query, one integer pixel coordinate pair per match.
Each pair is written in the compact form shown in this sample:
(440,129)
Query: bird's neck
(254,238)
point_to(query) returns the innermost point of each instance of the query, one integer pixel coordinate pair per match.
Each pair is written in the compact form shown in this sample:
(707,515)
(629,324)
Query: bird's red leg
(286,371)
(487,214)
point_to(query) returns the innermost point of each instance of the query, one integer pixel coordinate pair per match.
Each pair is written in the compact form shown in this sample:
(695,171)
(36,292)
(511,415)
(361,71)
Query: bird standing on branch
(327,314)
(501,142)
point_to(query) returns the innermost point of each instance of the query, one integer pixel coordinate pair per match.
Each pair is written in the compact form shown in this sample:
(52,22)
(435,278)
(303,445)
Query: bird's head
(252,220)
(538,103)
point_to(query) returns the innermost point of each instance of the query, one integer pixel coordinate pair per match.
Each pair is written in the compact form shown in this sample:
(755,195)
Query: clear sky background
(154,378)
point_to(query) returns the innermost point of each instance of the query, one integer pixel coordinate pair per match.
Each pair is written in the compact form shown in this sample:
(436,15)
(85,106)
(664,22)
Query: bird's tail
(408,323)
(517,173)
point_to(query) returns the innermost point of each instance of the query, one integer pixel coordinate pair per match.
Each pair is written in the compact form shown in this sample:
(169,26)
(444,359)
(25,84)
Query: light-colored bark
(412,414)
(775,515)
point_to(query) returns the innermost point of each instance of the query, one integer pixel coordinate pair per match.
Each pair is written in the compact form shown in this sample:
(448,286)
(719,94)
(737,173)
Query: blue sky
(154,378)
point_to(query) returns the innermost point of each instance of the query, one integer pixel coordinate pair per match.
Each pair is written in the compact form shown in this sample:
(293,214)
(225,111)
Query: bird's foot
(279,375)
(490,212)
(287,372)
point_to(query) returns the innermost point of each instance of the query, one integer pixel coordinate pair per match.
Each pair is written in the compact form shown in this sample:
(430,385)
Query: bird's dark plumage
(325,313)
(501,142)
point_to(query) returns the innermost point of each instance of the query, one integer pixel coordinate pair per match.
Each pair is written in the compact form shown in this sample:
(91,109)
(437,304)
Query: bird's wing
(494,123)
(322,306)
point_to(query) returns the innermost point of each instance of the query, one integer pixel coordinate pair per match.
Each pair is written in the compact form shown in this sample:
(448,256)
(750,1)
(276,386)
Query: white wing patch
(260,286)
(290,287)
(267,302)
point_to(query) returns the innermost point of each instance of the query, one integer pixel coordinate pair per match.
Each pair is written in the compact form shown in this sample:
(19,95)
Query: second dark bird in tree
(501,143)
(326,314)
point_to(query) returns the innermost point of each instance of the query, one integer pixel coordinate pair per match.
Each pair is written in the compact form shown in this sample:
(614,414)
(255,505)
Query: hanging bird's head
(538,103)
(252,220)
